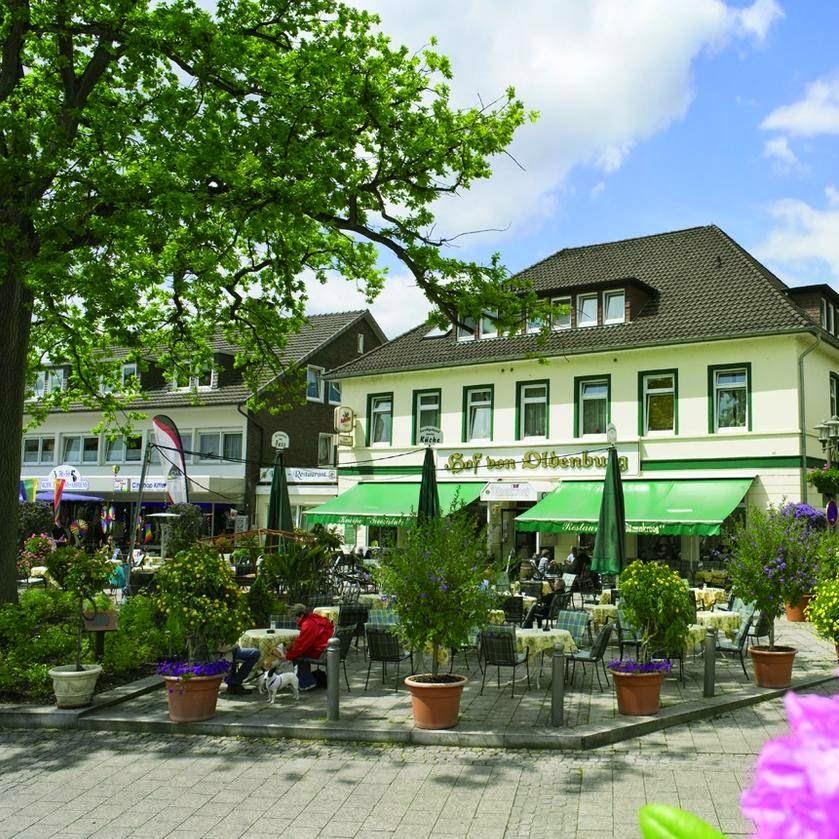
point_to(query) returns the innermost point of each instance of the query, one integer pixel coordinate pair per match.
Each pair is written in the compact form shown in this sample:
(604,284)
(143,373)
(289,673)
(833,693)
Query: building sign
(73,479)
(279,440)
(344,418)
(429,435)
(133,485)
(298,475)
(509,491)
(551,460)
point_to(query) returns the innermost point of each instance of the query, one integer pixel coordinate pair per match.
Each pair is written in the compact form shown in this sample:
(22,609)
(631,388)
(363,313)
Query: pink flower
(795,791)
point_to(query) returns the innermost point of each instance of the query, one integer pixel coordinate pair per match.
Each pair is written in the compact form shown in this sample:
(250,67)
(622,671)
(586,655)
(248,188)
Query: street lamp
(828,432)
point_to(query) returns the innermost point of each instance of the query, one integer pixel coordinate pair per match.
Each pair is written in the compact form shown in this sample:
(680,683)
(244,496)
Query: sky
(655,115)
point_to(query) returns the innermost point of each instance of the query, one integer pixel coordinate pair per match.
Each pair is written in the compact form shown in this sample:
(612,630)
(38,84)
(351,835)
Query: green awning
(384,503)
(689,507)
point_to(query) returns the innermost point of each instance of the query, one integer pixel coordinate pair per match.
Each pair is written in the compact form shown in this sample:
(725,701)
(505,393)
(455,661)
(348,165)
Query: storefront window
(381,537)
(659,402)
(730,398)
(478,414)
(594,407)
(533,410)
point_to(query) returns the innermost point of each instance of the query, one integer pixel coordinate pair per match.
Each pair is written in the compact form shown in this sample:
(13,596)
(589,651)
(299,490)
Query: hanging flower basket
(826,481)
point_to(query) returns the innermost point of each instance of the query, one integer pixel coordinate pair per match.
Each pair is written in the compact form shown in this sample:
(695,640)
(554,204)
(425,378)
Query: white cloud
(605,75)
(804,240)
(816,113)
(598,189)
(783,157)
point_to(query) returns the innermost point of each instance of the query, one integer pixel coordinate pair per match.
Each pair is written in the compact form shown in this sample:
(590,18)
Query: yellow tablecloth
(696,636)
(605,597)
(496,616)
(714,577)
(265,642)
(724,622)
(707,598)
(537,640)
(601,613)
(330,612)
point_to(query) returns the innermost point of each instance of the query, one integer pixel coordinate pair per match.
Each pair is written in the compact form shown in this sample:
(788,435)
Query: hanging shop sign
(429,435)
(344,418)
(509,491)
(298,475)
(279,440)
(346,440)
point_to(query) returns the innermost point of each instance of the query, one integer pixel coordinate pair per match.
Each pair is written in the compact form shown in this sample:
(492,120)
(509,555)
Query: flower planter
(639,694)
(193,699)
(796,611)
(773,668)
(74,688)
(435,705)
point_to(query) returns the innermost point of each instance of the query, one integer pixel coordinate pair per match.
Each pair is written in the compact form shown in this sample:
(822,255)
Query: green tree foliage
(34,517)
(168,174)
(297,571)
(185,530)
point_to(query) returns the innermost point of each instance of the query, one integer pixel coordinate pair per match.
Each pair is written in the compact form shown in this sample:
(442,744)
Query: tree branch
(11,66)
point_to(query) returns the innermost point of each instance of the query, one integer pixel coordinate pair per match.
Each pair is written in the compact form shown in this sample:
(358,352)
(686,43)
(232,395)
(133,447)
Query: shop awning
(689,507)
(384,503)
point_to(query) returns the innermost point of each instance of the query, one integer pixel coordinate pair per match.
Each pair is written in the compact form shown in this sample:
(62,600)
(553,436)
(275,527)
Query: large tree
(168,173)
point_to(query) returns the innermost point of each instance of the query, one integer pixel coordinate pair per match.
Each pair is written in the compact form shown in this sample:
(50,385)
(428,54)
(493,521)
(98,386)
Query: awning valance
(689,507)
(381,503)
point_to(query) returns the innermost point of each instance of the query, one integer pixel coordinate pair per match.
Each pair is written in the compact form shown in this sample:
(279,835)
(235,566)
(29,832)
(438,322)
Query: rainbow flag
(56,496)
(28,489)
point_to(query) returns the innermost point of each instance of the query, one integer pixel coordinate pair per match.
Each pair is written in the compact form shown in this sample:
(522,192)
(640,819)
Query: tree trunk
(15,317)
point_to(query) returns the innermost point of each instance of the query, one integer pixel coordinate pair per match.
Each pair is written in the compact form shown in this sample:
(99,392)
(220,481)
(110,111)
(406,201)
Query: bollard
(333,678)
(710,661)
(558,686)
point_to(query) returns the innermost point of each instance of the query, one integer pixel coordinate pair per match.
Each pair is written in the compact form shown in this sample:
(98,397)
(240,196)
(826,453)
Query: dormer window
(587,310)
(533,324)
(489,328)
(614,306)
(466,328)
(206,379)
(562,312)
(128,371)
(50,380)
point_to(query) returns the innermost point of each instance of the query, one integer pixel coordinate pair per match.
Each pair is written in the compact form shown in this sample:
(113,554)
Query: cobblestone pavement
(78,784)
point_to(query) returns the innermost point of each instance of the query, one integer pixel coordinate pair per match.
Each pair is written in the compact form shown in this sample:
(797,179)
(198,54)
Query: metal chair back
(513,610)
(382,644)
(598,648)
(498,646)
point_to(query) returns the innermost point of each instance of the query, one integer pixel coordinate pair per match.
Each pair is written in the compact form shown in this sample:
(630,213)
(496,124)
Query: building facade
(712,371)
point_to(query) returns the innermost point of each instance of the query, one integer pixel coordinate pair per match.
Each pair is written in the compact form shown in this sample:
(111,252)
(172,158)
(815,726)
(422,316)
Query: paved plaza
(79,784)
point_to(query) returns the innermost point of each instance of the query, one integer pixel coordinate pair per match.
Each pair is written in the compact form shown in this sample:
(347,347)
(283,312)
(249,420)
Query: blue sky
(655,115)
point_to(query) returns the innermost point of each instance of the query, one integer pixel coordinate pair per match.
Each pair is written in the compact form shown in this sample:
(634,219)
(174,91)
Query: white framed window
(426,413)
(333,390)
(124,449)
(157,457)
(562,319)
(39,450)
(489,327)
(128,371)
(359,343)
(466,328)
(219,445)
(79,448)
(314,384)
(478,419)
(614,306)
(731,398)
(533,409)
(326,449)
(206,379)
(834,395)
(594,406)
(381,419)
(587,310)
(50,380)
(659,395)
(533,324)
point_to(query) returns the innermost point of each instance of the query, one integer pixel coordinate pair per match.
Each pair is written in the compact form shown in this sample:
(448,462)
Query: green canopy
(385,503)
(609,553)
(671,507)
(429,498)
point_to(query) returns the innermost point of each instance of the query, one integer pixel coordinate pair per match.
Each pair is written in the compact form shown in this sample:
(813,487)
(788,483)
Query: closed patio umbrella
(609,553)
(429,500)
(279,506)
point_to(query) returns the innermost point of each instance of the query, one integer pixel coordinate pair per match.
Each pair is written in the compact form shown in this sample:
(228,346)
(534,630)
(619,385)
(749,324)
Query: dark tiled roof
(707,287)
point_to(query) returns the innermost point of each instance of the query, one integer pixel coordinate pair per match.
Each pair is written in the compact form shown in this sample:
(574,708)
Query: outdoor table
(539,641)
(605,597)
(496,616)
(696,637)
(715,577)
(725,622)
(329,612)
(708,597)
(601,613)
(265,640)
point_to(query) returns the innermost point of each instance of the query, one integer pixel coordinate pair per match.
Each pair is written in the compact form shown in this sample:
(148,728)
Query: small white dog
(272,681)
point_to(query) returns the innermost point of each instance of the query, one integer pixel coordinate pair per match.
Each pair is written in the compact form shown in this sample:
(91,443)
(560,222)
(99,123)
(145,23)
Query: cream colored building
(707,365)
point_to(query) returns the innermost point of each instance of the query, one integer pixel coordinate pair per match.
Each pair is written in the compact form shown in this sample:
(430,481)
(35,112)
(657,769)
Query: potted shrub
(764,570)
(436,579)
(806,526)
(825,480)
(198,593)
(655,602)
(823,611)
(84,576)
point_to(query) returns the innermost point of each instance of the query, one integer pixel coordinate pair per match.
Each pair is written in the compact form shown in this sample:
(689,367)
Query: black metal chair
(472,645)
(759,629)
(344,634)
(513,610)
(738,645)
(594,655)
(560,603)
(354,615)
(627,634)
(383,646)
(498,648)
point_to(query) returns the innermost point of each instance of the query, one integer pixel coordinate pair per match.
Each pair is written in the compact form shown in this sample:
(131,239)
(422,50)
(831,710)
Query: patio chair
(628,635)
(738,645)
(498,648)
(382,617)
(575,622)
(513,610)
(759,629)
(532,589)
(560,603)
(571,586)
(593,655)
(345,635)
(354,615)
(383,646)
(472,645)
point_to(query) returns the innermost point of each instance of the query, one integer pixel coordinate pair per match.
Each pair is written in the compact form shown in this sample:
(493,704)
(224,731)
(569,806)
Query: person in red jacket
(315,632)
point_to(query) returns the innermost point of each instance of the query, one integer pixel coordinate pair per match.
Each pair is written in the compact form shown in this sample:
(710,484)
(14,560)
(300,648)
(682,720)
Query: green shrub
(185,530)
(33,517)
(261,601)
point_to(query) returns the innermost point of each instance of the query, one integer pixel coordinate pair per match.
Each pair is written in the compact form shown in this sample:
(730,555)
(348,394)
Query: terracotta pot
(435,706)
(639,694)
(796,612)
(192,700)
(773,668)
(74,688)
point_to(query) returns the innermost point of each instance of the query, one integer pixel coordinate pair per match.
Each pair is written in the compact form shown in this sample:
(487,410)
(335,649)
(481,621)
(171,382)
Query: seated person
(544,562)
(540,610)
(242,660)
(315,632)
(573,562)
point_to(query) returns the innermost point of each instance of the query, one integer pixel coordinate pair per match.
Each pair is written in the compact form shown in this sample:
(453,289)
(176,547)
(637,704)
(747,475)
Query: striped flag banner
(56,496)
(28,489)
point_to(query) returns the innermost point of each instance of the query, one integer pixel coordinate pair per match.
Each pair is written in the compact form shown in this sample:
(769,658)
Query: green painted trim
(415,403)
(780,461)
(370,398)
(464,416)
(519,386)
(366,469)
(712,370)
(578,381)
(674,372)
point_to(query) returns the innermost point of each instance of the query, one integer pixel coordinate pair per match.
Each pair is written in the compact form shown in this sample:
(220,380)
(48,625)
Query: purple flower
(185,670)
(444,587)
(630,665)
(795,791)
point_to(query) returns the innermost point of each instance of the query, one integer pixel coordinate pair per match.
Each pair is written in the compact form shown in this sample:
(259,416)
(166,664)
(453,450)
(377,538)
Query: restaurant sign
(549,460)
